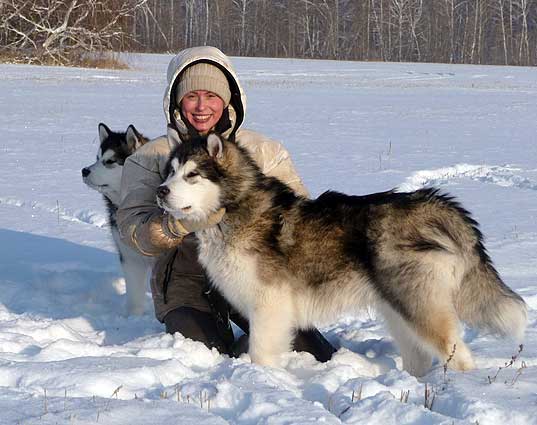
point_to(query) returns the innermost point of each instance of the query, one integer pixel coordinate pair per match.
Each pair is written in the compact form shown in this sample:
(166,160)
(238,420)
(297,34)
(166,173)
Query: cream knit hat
(203,76)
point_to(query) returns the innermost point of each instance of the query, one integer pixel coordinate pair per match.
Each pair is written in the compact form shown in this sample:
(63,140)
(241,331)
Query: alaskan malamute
(104,175)
(287,262)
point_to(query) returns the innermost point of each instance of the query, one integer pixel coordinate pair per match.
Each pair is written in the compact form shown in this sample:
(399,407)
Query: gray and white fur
(287,262)
(104,176)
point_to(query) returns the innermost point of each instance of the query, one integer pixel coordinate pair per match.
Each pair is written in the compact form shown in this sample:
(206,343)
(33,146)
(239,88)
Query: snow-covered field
(69,356)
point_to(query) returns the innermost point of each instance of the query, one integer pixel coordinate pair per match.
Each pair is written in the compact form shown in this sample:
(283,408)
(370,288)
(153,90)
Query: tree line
(450,31)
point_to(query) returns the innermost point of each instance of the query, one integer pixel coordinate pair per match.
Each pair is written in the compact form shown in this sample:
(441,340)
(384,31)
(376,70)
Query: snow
(68,354)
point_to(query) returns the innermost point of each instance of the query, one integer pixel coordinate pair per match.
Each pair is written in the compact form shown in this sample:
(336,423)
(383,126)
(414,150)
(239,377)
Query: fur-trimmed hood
(237,106)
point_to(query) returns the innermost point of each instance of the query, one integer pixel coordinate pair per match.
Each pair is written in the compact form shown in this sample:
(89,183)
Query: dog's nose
(162,191)
(85,172)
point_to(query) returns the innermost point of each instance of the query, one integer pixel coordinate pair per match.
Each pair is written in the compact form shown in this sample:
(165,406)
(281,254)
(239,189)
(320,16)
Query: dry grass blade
(508,364)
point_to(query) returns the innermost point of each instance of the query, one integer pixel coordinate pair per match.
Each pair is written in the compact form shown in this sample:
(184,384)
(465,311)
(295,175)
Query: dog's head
(194,176)
(104,175)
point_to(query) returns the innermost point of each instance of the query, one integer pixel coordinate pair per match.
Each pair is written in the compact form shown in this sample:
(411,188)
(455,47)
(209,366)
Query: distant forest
(451,31)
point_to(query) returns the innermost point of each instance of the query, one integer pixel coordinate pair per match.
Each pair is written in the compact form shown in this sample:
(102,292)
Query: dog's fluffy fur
(104,175)
(287,262)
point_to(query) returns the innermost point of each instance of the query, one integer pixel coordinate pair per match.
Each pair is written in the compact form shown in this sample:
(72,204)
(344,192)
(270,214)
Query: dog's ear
(173,138)
(215,146)
(134,139)
(104,132)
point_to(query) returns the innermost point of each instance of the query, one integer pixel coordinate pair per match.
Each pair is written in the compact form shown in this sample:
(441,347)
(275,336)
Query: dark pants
(213,332)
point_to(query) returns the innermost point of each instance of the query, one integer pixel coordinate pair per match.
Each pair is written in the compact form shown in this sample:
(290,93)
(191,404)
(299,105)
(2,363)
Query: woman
(203,94)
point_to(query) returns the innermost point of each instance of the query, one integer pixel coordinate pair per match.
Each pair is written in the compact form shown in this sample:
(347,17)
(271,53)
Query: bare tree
(242,8)
(377,10)
(523,7)
(400,13)
(52,30)
(414,18)
(474,31)
(501,6)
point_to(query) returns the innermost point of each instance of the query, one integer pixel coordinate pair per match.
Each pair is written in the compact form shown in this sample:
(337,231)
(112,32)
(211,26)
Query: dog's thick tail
(486,302)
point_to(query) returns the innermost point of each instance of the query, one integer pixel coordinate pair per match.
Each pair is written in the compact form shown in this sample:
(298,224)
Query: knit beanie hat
(203,76)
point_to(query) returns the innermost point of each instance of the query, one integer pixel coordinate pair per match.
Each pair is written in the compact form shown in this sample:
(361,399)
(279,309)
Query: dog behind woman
(104,176)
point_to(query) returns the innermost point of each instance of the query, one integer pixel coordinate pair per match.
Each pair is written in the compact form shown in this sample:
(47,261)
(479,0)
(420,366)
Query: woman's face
(203,109)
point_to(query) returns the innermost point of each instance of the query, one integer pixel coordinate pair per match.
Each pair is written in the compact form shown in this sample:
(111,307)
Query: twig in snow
(45,407)
(446,364)
(510,363)
(358,397)
(430,395)
(354,397)
(518,373)
(404,396)
(115,393)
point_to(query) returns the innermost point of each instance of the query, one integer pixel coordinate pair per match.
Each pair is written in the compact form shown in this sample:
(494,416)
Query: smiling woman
(203,109)
(203,95)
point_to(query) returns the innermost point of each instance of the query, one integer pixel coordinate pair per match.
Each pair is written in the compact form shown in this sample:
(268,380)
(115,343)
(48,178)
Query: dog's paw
(264,359)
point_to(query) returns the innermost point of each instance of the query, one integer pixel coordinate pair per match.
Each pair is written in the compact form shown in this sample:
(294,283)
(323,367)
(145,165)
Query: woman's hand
(164,232)
(179,228)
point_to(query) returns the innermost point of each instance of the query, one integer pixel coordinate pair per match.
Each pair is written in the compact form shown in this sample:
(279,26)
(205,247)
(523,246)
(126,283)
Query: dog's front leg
(136,270)
(271,329)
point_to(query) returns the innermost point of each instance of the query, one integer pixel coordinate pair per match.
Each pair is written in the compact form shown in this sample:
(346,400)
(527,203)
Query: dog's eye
(109,162)
(192,174)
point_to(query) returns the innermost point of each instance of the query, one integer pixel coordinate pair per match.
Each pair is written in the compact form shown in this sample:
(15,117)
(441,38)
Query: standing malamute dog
(287,262)
(104,175)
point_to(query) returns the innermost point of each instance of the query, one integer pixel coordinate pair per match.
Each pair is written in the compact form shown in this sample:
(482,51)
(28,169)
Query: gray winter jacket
(177,278)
